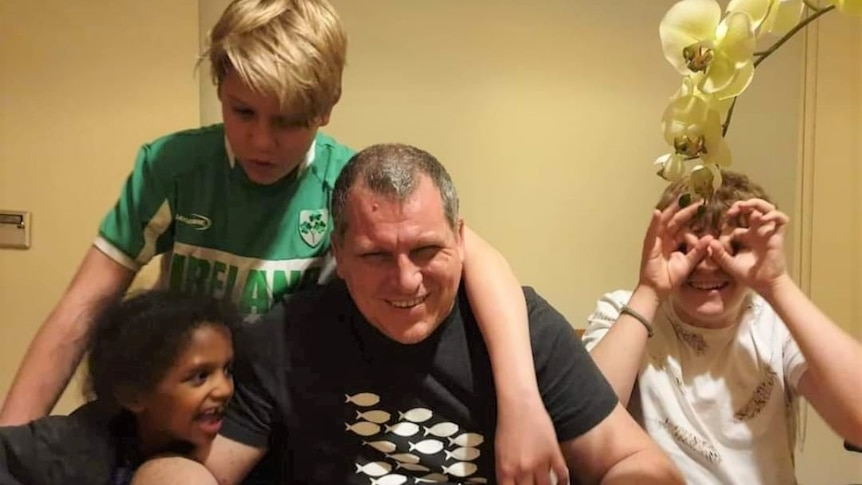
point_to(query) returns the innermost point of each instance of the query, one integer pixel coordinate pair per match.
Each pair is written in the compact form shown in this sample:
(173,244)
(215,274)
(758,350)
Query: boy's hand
(663,265)
(759,260)
(526,448)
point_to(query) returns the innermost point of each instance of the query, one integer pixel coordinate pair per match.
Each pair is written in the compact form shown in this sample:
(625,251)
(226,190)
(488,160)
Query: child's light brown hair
(735,187)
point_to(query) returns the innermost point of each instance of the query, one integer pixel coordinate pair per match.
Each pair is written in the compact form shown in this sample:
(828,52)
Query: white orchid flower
(770,16)
(783,15)
(671,167)
(692,125)
(705,179)
(696,40)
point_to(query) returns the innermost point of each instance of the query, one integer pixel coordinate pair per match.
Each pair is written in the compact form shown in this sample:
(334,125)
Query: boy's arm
(663,268)
(526,445)
(619,352)
(833,381)
(59,344)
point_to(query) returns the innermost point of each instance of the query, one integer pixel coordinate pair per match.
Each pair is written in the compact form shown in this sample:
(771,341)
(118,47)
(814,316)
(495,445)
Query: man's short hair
(393,170)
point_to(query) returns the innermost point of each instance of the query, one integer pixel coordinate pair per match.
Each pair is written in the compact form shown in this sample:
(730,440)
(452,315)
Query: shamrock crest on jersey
(312,226)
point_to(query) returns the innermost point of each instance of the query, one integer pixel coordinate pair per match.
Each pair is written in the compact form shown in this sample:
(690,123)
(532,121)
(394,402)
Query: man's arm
(60,342)
(599,439)
(618,451)
(173,470)
(230,461)
(526,445)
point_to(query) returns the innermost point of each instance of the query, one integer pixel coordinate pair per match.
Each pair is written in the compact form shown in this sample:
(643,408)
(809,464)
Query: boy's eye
(244,113)
(289,123)
(198,378)
(228,370)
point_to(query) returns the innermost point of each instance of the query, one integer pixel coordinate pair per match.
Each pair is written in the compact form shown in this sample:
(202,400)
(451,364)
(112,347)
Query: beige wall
(82,85)
(831,259)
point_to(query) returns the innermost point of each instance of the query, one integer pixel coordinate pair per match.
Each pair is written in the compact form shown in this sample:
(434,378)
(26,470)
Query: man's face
(401,260)
(268,143)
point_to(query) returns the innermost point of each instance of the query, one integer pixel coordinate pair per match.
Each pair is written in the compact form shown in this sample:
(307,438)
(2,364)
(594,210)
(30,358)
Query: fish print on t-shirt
(411,445)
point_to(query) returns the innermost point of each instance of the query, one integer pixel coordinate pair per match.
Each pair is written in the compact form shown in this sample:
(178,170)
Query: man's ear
(336,252)
(459,234)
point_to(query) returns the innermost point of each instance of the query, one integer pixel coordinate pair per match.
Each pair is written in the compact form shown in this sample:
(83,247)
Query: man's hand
(758,261)
(527,448)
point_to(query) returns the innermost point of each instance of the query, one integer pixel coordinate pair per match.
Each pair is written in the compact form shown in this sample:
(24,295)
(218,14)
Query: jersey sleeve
(139,226)
(606,313)
(574,391)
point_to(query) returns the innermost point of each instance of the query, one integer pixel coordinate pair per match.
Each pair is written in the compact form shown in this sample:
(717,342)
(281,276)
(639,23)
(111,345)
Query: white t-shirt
(720,402)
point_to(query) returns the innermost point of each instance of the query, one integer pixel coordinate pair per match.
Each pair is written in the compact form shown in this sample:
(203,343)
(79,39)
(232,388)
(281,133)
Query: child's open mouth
(707,286)
(211,420)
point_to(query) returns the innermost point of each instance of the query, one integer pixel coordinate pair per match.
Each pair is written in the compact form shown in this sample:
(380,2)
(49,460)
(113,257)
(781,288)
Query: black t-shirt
(346,404)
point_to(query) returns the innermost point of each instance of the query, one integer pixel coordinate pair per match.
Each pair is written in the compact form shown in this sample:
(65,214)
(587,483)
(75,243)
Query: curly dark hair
(135,341)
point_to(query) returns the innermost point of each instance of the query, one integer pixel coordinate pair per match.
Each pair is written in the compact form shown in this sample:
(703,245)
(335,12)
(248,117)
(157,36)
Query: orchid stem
(726,123)
(801,25)
(763,55)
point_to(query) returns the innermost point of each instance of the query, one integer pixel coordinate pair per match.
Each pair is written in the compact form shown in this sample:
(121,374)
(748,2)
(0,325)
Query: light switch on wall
(14,229)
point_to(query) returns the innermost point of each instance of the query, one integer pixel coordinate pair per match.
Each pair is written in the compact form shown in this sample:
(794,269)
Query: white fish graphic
(460,469)
(442,430)
(485,480)
(432,478)
(467,439)
(394,479)
(403,428)
(463,454)
(382,446)
(378,417)
(362,428)
(427,447)
(404,458)
(374,469)
(412,467)
(363,399)
(417,415)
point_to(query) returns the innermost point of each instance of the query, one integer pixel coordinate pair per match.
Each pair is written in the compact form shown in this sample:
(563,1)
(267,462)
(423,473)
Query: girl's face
(189,402)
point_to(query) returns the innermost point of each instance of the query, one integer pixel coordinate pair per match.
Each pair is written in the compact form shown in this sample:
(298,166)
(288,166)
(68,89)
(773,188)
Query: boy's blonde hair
(292,50)
(735,187)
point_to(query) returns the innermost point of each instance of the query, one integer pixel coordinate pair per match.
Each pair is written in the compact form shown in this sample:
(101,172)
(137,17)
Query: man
(383,378)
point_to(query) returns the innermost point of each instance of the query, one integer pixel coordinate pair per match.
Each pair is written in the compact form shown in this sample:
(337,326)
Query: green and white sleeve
(140,224)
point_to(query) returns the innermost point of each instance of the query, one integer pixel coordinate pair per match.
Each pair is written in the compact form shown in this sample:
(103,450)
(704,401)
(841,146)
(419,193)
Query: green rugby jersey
(224,234)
